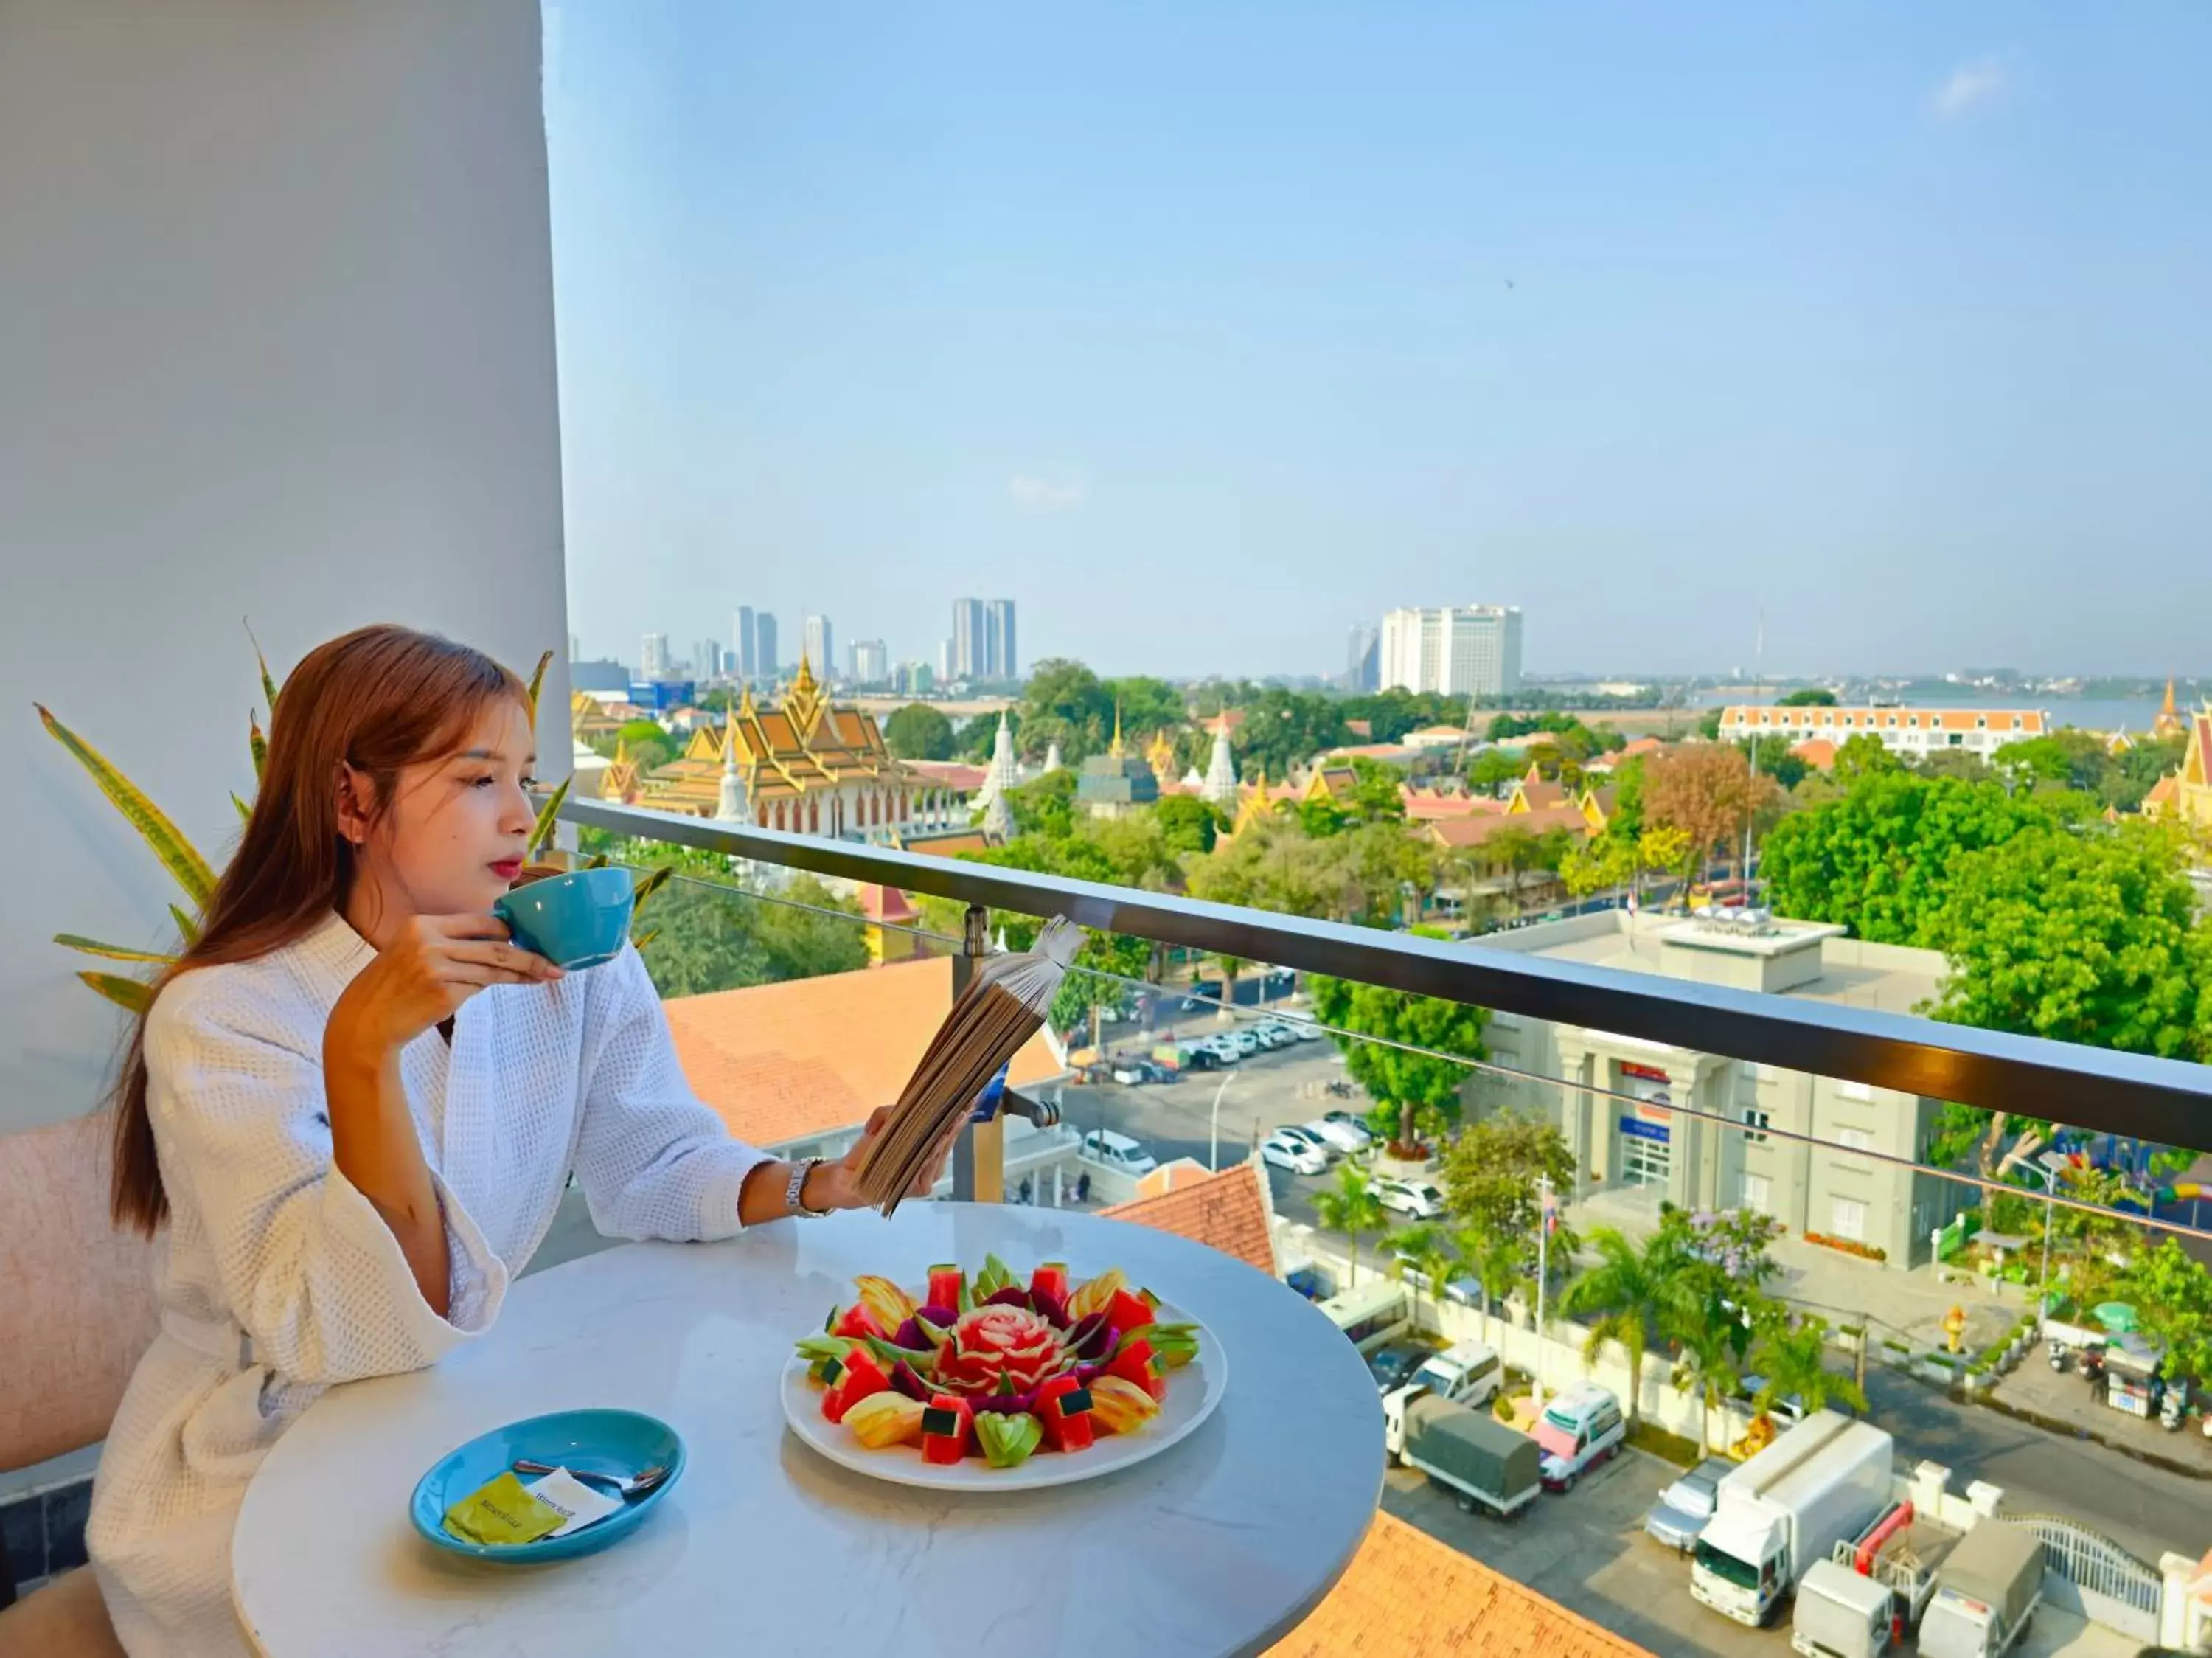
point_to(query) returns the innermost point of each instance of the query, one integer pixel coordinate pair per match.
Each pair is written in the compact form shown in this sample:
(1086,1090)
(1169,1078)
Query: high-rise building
(871,662)
(916,679)
(1363,663)
(821,646)
(946,661)
(970,647)
(1470,651)
(706,658)
(764,662)
(653,661)
(741,634)
(998,655)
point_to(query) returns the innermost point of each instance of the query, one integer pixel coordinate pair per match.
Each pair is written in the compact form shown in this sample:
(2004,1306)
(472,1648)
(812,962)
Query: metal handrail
(2167,1101)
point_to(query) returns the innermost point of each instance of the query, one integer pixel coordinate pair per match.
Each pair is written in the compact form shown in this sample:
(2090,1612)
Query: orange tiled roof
(786,1062)
(1641,746)
(1541,797)
(2016,722)
(1407,1595)
(1475,828)
(1816,752)
(1233,1212)
(946,843)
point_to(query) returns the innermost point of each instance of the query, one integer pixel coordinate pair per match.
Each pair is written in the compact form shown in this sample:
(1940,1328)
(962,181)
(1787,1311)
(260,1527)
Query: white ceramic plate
(1193,1392)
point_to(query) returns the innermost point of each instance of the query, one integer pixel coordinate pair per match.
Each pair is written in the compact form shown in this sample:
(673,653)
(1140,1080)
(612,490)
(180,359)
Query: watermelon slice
(851,1379)
(1063,1410)
(857,1320)
(1127,1311)
(947,1427)
(945,1283)
(1136,1363)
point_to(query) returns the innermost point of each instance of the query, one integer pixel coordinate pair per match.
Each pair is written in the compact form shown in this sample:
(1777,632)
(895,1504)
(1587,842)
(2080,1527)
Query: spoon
(629,1489)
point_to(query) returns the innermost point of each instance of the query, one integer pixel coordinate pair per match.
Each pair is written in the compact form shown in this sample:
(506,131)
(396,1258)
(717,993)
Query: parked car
(1319,1142)
(1684,1507)
(1273,1034)
(1224,1051)
(1393,1366)
(1129,1075)
(1118,1151)
(1247,1043)
(1342,1137)
(1280,1151)
(1352,1120)
(1305,1030)
(1418,1198)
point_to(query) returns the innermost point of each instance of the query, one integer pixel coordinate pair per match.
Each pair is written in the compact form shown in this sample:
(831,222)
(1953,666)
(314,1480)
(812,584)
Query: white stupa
(1219,788)
(1053,762)
(1003,774)
(731,806)
(999,818)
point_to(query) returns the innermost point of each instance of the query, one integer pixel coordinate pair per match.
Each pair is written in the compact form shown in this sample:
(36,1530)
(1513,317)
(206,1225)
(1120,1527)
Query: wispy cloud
(1033,494)
(1969,88)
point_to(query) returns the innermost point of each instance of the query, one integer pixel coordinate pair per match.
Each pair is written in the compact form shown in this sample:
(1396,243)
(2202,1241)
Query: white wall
(277,340)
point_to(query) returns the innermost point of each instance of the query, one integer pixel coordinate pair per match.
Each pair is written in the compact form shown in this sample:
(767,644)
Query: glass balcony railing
(1757,1196)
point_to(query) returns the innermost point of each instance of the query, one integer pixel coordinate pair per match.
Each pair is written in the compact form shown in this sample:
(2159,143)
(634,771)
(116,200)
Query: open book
(1000,1010)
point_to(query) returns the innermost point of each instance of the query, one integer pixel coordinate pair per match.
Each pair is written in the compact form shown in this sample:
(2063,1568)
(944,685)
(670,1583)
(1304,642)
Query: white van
(1466,1372)
(1581,1427)
(1377,1312)
(1103,1145)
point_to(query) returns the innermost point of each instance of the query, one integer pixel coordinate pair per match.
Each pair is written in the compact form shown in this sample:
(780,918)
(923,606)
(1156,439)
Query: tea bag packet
(506,1511)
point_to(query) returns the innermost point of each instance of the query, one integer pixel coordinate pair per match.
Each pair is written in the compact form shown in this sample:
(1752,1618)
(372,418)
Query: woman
(356,1105)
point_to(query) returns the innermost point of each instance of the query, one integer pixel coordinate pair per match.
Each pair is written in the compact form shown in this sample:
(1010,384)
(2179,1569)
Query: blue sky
(1203,331)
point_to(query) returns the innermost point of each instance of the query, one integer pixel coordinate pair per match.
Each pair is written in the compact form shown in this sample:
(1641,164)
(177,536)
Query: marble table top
(1218,1546)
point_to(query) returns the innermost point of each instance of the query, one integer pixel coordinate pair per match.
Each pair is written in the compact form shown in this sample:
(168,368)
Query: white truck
(1872,1589)
(1984,1594)
(1466,1372)
(1821,1483)
(1479,1459)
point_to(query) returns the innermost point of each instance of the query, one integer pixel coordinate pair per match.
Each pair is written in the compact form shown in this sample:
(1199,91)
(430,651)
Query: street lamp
(1213,1125)
(2050,1187)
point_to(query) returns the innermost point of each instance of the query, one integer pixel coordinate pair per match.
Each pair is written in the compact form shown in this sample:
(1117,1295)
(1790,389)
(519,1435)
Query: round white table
(1220,1545)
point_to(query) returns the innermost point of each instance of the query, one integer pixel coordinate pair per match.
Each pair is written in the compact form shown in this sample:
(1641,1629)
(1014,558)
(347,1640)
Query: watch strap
(794,1193)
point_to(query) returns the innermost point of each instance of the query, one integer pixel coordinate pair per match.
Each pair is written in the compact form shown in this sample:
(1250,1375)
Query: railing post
(979,1155)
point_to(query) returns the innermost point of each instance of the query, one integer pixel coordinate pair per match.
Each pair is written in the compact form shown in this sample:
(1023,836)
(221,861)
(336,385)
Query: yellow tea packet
(502,1512)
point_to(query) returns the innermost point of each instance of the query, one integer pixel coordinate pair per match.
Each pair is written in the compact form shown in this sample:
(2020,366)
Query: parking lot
(1587,1551)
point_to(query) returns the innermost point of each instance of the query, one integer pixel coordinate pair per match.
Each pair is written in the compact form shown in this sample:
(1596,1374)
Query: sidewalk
(2065,1401)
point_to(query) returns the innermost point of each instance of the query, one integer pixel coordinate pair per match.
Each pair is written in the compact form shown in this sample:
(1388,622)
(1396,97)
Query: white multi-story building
(1459,651)
(871,662)
(653,661)
(821,645)
(970,647)
(1980,731)
(999,658)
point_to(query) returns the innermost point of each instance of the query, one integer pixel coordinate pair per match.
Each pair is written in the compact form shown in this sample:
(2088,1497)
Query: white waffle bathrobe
(275,1277)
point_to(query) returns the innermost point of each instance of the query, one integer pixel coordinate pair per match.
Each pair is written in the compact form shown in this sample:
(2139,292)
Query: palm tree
(1350,1208)
(1631,1289)
(1707,1363)
(1499,1264)
(1792,1360)
(1420,1248)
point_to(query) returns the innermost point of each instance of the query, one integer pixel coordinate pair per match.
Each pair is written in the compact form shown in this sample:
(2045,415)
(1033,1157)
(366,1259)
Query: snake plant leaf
(113,952)
(187,928)
(548,817)
(537,679)
(268,683)
(260,745)
(597,861)
(169,844)
(135,995)
(245,812)
(651,884)
(641,940)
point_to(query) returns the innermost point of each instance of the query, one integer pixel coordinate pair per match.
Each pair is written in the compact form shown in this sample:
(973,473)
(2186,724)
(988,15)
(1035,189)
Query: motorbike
(2171,1410)
(2058,1354)
(2092,1366)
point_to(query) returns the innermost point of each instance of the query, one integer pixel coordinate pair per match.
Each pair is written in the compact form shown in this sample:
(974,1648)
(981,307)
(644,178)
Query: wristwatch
(794,1194)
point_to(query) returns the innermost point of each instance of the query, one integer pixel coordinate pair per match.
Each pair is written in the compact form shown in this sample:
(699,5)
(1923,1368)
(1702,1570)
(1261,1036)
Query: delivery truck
(1984,1594)
(1819,1484)
(1863,1598)
(1481,1462)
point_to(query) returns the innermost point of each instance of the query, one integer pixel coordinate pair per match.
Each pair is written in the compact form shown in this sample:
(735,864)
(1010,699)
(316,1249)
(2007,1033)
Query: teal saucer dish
(614,1442)
(577,920)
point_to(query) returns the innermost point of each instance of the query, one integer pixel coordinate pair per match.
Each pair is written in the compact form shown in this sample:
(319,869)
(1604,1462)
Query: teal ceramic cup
(577,920)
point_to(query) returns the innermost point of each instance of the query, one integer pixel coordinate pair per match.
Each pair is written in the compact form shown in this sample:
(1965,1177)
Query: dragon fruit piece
(908,1381)
(943,1316)
(1003,1403)
(1090,1338)
(1052,1308)
(910,1338)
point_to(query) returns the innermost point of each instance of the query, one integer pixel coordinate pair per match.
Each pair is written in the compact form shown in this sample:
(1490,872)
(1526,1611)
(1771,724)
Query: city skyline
(1881,322)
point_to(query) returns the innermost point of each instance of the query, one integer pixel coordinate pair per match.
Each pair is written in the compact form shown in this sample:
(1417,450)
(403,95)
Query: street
(2145,1510)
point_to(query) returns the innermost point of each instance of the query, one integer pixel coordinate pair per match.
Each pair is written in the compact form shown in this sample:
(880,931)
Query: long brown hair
(377,699)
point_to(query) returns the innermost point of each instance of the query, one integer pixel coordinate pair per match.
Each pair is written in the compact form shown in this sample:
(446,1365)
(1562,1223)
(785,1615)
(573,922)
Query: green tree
(1496,769)
(918,732)
(1810,697)
(1269,865)
(1352,1208)
(709,934)
(1401,1080)
(1862,756)
(1189,824)
(1606,863)
(2174,1291)
(1501,1263)
(1044,806)
(1626,1294)
(1284,729)
(1706,1363)
(1709,792)
(1882,859)
(1775,759)
(646,744)
(1791,1359)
